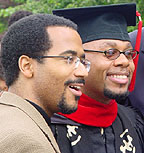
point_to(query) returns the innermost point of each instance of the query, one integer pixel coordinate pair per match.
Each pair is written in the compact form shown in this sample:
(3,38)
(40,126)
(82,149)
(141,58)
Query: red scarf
(93,113)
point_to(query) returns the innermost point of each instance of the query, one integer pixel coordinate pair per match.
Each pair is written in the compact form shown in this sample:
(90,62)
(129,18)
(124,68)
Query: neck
(27,93)
(22,90)
(98,96)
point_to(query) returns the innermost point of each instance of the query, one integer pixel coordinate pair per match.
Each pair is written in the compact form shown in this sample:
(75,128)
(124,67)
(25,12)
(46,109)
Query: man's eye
(128,52)
(70,59)
(111,52)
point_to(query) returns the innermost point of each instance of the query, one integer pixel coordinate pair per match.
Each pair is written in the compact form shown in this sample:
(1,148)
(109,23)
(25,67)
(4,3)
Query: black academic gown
(125,135)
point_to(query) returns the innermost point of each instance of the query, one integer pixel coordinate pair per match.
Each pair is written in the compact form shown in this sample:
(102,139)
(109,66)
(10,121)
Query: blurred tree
(46,6)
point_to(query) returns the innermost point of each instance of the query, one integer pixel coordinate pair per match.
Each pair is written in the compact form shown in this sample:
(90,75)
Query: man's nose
(81,71)
(122,61)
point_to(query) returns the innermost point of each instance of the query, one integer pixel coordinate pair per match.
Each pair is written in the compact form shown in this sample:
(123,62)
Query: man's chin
(65,108)
(119,96)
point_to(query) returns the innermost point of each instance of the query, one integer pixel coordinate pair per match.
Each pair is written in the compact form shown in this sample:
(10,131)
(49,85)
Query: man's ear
(25,64)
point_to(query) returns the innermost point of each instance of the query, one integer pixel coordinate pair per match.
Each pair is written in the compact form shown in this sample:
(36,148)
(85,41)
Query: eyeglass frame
(120,52)
(78,60)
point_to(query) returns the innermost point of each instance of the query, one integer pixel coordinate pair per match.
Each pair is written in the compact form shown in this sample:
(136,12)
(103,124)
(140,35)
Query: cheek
(57,78)
(96,74)
(61,75)
(89,56)
(98,64)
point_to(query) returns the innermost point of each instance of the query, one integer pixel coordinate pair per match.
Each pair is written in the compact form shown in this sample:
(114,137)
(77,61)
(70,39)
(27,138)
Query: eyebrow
(72,52)
(113,44)
(107,44)
(69,52)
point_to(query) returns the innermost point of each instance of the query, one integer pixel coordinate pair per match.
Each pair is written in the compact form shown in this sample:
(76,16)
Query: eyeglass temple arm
(87,50)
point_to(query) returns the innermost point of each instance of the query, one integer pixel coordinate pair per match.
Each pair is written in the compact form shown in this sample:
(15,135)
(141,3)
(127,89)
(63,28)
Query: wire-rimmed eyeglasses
(71,60)
(113,53)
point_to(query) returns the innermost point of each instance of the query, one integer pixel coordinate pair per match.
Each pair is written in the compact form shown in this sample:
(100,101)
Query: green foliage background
(46,6)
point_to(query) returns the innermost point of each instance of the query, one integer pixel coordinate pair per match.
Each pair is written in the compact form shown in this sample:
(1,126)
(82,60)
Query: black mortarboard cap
(102,21)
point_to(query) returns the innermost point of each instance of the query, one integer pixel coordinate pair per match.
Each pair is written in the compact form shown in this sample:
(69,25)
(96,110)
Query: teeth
(120,76)
(76,87)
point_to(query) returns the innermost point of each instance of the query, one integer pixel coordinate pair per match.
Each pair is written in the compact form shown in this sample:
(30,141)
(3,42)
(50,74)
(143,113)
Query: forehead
(63,39)
(107,43)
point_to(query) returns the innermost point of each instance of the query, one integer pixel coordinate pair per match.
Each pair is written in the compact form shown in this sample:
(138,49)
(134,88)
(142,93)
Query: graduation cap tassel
(137,47)
(138,40)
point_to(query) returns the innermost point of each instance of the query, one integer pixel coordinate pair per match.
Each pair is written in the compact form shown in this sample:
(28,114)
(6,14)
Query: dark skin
(114,75)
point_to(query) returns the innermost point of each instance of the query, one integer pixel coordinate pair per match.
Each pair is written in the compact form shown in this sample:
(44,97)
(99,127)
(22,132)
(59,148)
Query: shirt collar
(41,111)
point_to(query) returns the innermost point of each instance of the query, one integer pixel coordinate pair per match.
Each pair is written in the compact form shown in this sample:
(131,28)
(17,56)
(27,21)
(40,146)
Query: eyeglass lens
(85,62)
(114,53)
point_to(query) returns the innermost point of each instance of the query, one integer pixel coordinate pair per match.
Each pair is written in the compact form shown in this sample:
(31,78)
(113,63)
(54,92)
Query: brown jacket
(22,128)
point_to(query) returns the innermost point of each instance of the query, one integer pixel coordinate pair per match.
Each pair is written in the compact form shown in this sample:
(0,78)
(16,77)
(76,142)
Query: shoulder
(132,115)
(131,112)
(19,132)
(14,121)
(132,120)
(20,141)
(13,116)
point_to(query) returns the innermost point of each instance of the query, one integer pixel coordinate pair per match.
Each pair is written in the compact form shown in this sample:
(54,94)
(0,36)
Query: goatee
(120,98)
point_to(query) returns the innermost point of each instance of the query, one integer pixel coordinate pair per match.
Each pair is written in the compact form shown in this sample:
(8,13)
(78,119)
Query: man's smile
(119,78)
(76,89)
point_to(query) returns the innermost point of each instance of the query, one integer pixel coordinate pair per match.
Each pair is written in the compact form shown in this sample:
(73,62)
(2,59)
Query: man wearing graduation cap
(100,125)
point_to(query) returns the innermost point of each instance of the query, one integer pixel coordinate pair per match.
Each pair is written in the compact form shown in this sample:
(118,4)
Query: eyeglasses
(71,60)
(113,53)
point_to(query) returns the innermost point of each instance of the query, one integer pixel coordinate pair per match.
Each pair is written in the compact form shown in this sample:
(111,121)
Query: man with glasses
(100,124)
(44,65)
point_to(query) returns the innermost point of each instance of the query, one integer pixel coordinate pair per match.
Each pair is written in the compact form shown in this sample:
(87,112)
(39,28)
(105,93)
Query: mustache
(68,82)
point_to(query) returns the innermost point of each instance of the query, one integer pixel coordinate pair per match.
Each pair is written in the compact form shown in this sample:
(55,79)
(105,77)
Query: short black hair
(28,36)
(17,16)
